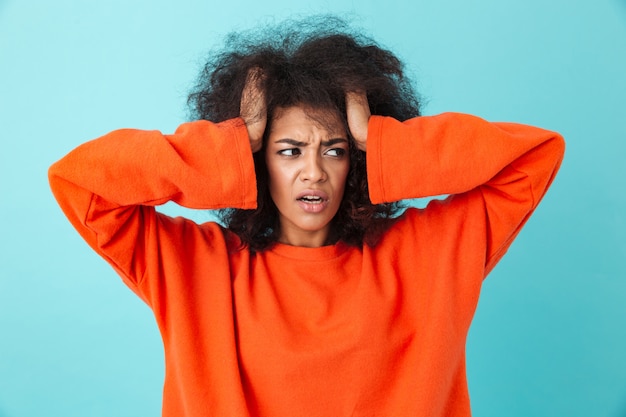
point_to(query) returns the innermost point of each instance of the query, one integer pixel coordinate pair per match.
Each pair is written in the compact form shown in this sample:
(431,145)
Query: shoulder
(188,235)
(452,214)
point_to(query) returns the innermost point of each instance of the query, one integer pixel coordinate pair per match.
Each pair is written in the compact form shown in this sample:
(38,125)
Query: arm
(108,187)
(506,168)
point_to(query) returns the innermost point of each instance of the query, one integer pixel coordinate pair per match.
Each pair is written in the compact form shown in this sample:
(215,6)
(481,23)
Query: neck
(306,239)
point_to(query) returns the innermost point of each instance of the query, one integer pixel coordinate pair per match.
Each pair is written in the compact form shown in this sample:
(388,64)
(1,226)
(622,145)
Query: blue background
(549,338)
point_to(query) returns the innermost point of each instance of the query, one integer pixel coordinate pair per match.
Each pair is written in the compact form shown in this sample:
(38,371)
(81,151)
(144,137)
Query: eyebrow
(329,142)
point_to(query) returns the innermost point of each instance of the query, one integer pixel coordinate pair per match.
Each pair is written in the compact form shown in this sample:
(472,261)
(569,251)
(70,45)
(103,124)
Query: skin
(253,109)
(307,165)
(358,115)
(304,159)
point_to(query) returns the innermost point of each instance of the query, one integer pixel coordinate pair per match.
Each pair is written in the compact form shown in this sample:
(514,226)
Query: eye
(289,152)
(336,152)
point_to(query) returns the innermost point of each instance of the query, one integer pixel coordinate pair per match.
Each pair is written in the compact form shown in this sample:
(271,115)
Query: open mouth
(311,199)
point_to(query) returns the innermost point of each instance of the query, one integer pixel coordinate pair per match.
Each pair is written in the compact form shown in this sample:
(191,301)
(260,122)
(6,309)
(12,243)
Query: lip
(312,207)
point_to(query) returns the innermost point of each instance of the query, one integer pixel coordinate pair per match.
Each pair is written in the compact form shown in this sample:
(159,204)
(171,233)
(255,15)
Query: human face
(308,164)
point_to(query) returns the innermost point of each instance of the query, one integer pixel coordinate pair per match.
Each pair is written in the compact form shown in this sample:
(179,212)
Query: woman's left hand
(358,114)
(253,108)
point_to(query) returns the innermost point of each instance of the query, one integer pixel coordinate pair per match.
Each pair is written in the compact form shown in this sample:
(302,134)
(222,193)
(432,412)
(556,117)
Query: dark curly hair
(312,63)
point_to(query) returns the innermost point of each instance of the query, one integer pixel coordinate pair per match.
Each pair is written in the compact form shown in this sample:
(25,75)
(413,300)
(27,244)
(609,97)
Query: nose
(312,169)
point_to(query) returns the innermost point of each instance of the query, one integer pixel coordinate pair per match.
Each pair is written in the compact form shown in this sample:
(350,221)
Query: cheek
(344,174)
(278,182)
(274,187)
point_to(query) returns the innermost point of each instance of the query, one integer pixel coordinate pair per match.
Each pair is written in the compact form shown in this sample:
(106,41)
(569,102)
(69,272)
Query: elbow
(557,143)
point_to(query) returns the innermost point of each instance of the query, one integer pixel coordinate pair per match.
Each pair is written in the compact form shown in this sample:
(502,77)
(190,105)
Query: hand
(253,108)
(358,114)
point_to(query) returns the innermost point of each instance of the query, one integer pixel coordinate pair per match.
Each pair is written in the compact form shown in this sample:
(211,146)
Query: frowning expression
(307,162)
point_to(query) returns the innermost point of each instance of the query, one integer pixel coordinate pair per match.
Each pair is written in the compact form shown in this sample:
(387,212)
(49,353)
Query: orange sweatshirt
(316,332)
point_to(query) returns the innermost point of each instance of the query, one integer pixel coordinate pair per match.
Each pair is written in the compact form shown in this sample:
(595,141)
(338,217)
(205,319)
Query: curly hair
(312,63)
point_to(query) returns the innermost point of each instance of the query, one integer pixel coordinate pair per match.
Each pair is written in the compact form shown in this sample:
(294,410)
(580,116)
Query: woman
(315,298)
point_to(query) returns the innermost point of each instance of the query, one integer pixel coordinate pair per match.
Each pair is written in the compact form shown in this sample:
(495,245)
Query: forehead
(306,119)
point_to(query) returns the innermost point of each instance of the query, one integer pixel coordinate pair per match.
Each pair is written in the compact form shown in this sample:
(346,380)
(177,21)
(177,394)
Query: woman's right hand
(253,108)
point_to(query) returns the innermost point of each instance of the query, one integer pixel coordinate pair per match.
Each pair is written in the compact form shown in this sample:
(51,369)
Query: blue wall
(549,338)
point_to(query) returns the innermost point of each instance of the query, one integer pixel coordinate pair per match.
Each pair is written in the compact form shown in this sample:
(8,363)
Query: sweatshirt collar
(310,254)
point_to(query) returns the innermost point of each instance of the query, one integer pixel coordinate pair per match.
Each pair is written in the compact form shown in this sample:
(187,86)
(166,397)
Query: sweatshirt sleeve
(108,187)
(504,167)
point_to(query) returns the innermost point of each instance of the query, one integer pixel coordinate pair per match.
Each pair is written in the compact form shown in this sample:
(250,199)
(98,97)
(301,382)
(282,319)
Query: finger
(358,114)
(253,109)
(252,106)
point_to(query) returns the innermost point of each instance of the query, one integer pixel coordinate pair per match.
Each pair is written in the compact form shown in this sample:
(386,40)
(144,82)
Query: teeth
(311,199)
